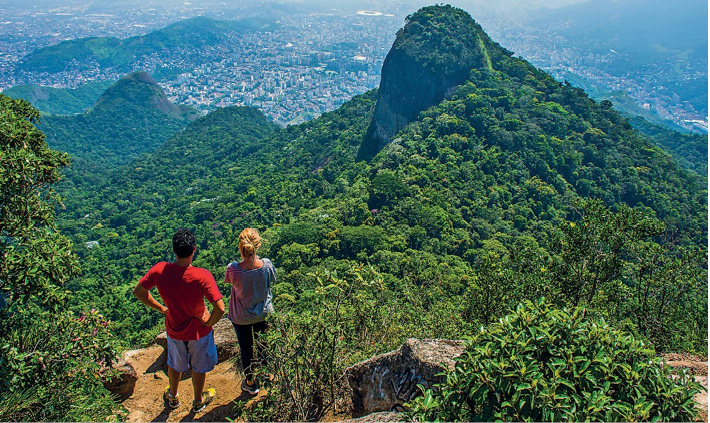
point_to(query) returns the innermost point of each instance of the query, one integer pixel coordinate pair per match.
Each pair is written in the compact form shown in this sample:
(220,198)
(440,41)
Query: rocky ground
(146,403)
(415,362)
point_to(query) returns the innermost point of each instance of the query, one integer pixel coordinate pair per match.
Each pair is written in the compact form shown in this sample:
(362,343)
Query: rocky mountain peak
(430,57)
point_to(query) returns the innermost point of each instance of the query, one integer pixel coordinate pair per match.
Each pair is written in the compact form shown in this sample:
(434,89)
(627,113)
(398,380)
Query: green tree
(49,358)
(592,248)
(35,260)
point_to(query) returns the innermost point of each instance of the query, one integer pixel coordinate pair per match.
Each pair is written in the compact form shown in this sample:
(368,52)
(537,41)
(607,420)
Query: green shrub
(544,364)
(50,367)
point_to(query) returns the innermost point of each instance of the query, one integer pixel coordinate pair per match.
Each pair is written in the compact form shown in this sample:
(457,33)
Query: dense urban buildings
(308,62)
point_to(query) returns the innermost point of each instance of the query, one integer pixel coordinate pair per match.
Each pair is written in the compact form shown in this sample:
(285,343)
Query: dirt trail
(698,367)
(146,403)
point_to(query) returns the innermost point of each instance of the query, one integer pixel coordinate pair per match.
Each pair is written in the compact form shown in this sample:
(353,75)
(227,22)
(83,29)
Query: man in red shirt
(188,324)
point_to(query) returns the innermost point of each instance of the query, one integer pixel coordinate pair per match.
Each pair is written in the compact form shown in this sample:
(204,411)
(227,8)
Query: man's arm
(217,313)
(144,296)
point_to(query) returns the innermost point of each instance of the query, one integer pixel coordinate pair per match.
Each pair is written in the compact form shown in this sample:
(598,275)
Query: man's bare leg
(174,377)
(198,384)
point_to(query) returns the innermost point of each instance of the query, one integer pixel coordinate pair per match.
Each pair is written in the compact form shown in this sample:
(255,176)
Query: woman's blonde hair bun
(249,242)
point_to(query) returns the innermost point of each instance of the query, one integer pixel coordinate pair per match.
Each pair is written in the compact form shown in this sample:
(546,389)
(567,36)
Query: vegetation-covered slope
(188,35)
(690,150)
(477,180)
(60,101)
(132,117)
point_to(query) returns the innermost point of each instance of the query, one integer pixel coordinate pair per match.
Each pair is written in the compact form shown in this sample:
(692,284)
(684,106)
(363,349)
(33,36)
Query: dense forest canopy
(515,188)
(498,167)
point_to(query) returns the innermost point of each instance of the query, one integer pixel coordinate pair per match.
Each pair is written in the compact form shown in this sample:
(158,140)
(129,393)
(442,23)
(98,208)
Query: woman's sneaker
(171,401)
(252,389)
(207,398)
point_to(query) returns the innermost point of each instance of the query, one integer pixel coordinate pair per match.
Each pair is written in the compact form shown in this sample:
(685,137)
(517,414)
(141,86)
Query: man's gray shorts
(200,355)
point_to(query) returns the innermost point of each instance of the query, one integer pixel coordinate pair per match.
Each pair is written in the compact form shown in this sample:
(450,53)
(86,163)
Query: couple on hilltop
(188,324)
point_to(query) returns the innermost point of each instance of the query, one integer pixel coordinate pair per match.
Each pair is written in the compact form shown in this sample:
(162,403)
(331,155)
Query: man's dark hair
(183,243)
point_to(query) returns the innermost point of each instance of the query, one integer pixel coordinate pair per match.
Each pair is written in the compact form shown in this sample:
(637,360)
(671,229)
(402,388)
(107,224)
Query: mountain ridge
(111,52)
(60,101)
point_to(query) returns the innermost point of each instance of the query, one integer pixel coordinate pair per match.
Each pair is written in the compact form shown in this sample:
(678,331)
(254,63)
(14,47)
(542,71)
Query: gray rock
(121,383)
(385,382)
(382,416)
(224,338)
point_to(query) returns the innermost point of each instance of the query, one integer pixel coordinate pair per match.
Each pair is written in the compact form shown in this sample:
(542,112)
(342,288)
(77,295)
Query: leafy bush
(544,364)
(308,350)
(51,367)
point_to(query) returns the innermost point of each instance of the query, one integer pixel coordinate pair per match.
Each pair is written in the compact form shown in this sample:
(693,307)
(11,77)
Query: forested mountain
(188,35)
(505,186)
(131,117)
(492,171)
(60,101)
(690,150)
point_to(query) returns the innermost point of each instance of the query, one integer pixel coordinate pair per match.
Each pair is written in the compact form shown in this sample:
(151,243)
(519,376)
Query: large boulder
(385,382)
(224,338)
(121,381)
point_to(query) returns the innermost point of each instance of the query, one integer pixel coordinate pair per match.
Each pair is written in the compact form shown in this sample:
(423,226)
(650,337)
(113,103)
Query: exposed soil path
(698,367)
(146,403)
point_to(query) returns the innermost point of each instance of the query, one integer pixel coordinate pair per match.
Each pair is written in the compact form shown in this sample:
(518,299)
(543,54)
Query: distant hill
(108,52)
(60,101)
(139,89)
(689,149)
(646,36)
(132,117)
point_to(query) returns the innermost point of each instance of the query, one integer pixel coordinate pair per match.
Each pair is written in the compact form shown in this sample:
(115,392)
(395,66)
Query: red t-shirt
(182,290)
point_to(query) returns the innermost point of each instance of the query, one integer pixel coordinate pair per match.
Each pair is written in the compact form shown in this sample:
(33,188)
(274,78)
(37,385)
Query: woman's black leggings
(247,335)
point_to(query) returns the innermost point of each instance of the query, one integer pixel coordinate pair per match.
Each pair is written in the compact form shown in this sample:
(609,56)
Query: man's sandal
(207,398)
(171,401)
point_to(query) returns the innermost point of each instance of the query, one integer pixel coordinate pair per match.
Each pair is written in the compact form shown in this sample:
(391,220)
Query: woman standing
(250,301)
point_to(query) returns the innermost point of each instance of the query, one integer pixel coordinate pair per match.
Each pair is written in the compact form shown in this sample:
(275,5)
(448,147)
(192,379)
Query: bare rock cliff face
(432,55)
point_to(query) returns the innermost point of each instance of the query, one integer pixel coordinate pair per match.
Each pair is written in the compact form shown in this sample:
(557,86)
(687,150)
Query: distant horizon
(606,47)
